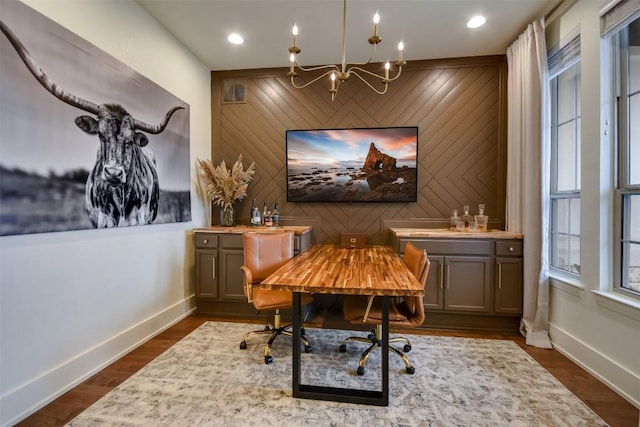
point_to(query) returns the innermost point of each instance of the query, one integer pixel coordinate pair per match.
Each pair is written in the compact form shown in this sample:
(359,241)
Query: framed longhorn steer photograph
(85,141)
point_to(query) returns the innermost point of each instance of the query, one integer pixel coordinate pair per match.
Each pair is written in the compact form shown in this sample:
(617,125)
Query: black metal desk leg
(337,394)
(297,327)
(385,351)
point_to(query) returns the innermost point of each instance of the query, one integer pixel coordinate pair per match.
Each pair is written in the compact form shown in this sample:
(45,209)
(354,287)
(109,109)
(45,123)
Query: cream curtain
(528,174)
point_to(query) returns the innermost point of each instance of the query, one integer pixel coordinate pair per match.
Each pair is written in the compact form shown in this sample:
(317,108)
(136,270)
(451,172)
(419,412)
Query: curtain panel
(528,162)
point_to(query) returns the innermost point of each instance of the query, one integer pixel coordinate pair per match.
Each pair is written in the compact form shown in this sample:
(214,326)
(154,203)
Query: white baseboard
(614,376)
(19,403)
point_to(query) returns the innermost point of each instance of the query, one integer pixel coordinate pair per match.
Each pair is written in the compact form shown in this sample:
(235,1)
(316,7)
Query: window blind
(616,14)
(564,57)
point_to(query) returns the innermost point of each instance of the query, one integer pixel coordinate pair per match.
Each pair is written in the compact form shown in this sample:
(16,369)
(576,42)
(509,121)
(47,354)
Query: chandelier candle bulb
(376,20)
(386,70)
(294,31)
(400,49)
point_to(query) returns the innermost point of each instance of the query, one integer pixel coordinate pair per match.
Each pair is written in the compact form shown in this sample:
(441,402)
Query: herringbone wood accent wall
(459,106)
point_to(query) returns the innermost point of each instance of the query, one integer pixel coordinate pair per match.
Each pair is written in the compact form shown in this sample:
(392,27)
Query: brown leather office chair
(264,253)
(403,312)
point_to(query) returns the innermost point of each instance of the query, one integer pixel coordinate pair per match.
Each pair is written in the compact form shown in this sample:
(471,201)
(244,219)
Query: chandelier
(339,74)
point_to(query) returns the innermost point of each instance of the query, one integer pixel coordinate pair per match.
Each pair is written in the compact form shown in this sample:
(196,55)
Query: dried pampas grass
(225,186)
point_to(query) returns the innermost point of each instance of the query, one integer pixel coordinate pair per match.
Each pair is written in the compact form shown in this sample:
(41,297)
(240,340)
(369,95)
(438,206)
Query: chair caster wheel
(407,348)
(342,348)
(243,345)
(411,370)
(268,359)
(371,336)
(360,370)
(308,348)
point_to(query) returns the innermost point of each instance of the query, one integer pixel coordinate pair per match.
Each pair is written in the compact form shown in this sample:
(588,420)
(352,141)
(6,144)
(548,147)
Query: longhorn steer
(122,188)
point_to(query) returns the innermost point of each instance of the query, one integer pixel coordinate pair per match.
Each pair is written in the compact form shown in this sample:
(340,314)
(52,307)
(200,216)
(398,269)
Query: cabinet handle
(499,276)
(510,248)
(441,276)
(205,241)
(213,269)
(447,276)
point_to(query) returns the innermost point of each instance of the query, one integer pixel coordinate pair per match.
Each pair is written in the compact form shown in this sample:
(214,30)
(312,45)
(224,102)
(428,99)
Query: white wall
(73,302)
(587,323)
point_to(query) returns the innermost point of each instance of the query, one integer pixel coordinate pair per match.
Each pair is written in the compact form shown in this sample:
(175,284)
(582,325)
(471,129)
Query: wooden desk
(373,270)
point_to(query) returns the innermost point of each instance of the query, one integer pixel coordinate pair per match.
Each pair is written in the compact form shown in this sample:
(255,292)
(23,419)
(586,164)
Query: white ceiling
(429,28)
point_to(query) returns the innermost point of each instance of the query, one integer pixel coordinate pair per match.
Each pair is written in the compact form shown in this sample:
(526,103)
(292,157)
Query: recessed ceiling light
(476,21)
(235,38)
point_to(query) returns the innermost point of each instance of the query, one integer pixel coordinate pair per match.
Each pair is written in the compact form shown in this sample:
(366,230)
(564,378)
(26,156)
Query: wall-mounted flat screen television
(352,165)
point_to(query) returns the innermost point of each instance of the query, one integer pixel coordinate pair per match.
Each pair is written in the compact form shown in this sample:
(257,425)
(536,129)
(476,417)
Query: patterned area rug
(206,380)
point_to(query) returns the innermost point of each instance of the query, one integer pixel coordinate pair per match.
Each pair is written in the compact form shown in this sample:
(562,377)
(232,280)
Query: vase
(227,216)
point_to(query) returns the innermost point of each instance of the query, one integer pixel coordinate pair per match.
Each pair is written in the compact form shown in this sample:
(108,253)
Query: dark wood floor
(612,408)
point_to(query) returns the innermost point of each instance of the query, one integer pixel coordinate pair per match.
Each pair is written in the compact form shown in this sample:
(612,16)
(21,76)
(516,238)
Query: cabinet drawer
(450,246)
(508,248)
(206,241)
(232,241)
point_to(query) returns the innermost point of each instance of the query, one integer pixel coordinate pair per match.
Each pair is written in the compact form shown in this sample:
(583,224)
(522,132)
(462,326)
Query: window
(564,192)
(626,47)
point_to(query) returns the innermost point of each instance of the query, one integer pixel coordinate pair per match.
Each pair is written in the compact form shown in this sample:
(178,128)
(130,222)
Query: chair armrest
(248,283)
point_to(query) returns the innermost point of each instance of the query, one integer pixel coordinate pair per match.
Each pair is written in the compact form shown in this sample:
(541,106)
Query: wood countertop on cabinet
(239,229)
(446,233)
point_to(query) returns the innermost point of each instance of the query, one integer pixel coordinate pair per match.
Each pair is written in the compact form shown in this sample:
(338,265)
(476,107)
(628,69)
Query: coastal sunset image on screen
(352,165)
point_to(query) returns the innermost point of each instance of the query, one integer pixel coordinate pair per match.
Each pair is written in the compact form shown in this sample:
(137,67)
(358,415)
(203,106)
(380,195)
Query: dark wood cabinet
(206,266)
(218,257)
(207,273)
(467,283)
(230,262)
(508,277)
(475,279)
(434,286)
(457,283)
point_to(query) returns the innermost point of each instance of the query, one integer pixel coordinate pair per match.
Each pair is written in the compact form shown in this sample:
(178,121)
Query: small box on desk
(353,240)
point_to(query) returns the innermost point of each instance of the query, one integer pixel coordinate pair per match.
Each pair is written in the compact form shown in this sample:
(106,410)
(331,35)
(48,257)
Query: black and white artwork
(85,141)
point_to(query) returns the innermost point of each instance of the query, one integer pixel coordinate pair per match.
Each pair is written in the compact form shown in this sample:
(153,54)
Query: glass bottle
(255,214)
(481,218)
(276,215)
(264,214)
(454,220)
(466,219)
(268,219)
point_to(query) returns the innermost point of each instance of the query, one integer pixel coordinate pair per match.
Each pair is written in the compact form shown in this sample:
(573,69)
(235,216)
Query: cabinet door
(434,286)
(468,284)
(231,276)
(508,291)
(206,273)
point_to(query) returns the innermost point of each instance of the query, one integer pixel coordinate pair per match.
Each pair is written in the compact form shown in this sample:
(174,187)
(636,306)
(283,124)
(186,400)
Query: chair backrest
(415,259)
(264,253)
(419,264)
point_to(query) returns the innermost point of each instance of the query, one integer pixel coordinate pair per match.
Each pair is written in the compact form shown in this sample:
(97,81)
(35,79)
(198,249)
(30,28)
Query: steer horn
(66,97)
(43,79)
(158,128)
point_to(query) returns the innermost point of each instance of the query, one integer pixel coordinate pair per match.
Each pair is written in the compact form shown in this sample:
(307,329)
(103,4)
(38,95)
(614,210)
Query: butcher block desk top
(324,269)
